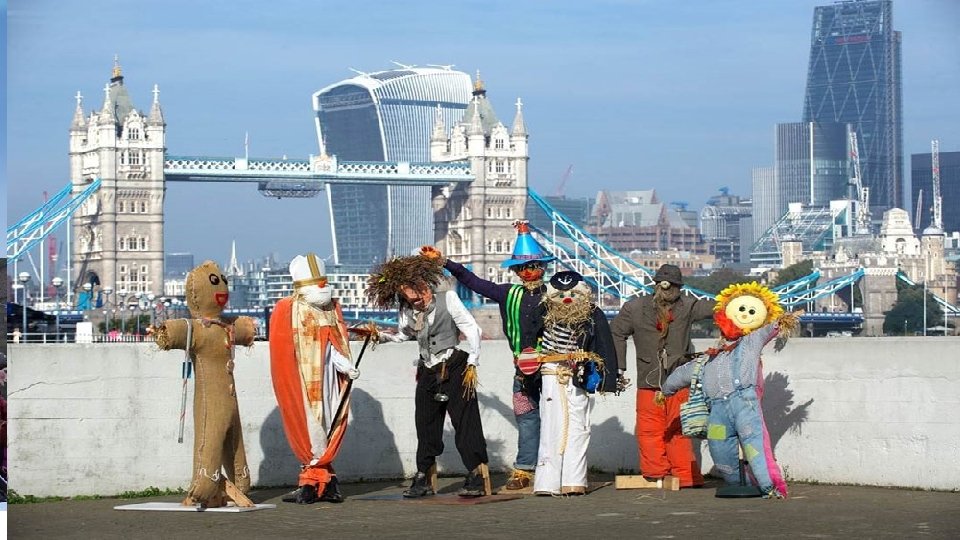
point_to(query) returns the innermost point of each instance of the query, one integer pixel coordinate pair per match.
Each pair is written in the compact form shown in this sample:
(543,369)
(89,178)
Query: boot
(472,486)
(419,487)
(332,492)
(305,494)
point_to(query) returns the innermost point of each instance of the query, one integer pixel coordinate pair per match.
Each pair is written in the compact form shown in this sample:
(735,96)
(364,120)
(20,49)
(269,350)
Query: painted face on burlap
(747,312)
(578,294)
(206,290)
(531,271)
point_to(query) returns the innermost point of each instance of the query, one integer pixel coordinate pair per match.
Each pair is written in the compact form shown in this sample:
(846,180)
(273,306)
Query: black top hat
(566,280)
(669,272)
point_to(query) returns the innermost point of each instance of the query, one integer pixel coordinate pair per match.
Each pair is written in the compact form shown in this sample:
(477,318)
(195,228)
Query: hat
(669,272)
(526,248)
(308,270)
(566,280)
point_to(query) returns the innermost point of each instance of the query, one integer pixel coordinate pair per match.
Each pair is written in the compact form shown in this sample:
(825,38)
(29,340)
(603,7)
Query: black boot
(332,492)
(305,494)
(419,487)
(472,486)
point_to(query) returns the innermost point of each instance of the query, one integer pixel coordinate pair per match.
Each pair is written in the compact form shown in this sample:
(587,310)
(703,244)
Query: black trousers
(430,415)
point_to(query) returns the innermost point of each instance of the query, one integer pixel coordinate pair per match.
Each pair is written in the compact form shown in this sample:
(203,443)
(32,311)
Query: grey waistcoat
(443,333)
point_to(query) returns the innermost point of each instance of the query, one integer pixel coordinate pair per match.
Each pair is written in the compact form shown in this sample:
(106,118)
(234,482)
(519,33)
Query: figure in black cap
(578,360)
(660,326)
(522,316)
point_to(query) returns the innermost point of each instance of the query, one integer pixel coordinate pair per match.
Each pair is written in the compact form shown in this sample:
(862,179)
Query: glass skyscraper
(811,163)
(384,116)
(854,77)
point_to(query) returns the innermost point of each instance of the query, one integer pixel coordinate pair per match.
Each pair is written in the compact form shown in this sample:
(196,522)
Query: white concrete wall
(103,419)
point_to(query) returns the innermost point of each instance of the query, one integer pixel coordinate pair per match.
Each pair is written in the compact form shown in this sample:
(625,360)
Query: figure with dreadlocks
(446,374)
(521,313)
(749,316)
(578,360)
(660,326)
(310,364)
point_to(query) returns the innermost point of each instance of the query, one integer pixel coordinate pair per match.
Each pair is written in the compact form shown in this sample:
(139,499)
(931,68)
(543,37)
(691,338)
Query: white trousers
(564,436)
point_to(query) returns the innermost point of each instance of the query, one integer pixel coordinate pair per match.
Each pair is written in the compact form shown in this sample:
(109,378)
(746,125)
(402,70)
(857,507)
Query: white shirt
(465,323)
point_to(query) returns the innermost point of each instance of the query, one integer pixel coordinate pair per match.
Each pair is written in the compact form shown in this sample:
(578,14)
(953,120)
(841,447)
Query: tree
(906,316)
(793,272)
(717,281)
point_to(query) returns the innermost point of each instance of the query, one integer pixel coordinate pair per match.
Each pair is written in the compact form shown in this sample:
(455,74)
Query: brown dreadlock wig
(416,271)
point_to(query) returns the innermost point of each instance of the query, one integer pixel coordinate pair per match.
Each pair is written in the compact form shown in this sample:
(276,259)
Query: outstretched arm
(494,291)
(679,379)
(172,334)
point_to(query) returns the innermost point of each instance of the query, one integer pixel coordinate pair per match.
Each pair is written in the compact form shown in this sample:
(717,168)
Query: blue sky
(681,97)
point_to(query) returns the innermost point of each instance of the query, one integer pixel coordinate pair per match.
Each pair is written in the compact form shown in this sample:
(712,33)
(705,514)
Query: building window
(499,166)
(143,244)
(122,244)
(121,206)
(143,207)
(498,144)
(134,134)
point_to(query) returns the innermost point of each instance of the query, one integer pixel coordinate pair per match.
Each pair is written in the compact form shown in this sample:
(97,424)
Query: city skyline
(637,95)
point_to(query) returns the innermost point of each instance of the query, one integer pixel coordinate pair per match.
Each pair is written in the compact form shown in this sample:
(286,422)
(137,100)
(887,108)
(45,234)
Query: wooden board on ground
(177,507)
(591,487)
(670,483)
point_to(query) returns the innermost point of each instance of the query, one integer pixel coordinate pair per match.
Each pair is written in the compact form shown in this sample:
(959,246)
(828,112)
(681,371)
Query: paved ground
(813,511)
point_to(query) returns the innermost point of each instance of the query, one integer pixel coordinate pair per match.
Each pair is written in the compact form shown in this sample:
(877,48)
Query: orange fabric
(287,385)
(663,449)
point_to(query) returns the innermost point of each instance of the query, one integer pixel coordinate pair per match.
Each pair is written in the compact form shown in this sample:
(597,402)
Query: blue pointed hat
(526,248)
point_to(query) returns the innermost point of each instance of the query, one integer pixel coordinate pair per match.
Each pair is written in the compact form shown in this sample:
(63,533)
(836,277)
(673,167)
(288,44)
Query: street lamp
(153,308)
(107,291)
(122,293)
(24,278)
(58,285)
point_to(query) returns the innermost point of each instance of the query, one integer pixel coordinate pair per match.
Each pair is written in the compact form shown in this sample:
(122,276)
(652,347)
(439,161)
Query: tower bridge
(119,170)
(301,178)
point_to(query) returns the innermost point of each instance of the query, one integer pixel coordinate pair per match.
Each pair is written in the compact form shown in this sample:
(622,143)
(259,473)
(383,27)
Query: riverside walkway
(813,511)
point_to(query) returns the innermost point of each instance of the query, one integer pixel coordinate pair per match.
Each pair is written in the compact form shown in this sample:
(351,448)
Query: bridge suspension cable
(37,225)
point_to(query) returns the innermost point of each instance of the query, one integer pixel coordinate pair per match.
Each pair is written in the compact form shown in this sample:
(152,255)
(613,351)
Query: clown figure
(310,364)
(749,316)
(219,461)
(578,359)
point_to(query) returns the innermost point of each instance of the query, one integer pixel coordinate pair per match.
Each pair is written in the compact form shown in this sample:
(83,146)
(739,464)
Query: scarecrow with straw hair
(749,316)
(446,374)
(521,312)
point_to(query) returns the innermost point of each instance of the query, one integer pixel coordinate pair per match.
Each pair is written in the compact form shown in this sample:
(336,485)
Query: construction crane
(937,221)
(862,226)
(563,182)
(916,213)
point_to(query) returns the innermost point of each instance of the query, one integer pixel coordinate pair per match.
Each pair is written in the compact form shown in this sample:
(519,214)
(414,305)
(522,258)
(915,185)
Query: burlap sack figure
(220,470)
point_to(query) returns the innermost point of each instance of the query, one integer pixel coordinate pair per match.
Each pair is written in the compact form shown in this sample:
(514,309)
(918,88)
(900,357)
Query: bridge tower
(473,223)
(118,232)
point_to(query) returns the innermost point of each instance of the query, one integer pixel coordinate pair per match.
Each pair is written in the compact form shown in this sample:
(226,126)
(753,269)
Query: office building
(638,220)
(384,116)
(811,163)
(854,77)
(726,228)
(176,265)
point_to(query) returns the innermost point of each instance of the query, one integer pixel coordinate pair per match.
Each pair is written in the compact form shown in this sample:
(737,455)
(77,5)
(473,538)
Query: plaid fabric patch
(522,403)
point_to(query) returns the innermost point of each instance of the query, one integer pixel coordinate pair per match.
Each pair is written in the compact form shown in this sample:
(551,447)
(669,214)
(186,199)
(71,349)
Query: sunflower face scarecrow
(749,316)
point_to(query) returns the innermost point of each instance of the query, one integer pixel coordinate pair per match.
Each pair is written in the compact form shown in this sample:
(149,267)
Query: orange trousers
(663,448)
